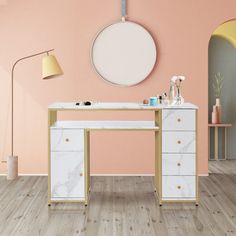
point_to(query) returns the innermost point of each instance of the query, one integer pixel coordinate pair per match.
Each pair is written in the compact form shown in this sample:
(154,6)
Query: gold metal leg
(87,164)
(226,144)
(209,143)
(158,155)
(216,144)
(52,118)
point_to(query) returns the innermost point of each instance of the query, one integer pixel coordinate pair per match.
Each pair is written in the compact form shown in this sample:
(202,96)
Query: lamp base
(12,167)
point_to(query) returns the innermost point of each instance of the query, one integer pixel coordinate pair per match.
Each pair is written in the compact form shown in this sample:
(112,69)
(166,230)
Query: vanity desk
(175,127)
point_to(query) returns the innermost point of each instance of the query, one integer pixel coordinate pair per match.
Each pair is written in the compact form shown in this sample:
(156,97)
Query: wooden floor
(120,206)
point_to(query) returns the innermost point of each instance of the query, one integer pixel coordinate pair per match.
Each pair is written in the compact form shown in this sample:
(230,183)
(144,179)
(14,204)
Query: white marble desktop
(116,105)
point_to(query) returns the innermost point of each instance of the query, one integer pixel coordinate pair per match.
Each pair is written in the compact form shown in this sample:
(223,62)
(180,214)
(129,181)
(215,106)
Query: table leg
(216,143)
(87,164)
(209,143)
(226,145)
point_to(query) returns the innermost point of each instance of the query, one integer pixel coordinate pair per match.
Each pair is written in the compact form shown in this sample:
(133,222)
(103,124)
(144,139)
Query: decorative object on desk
(217,87)
(165,99)
(172,92)
(124,53)
(86,103)
(153,101)
(177,80)
(145,102)
(50,69)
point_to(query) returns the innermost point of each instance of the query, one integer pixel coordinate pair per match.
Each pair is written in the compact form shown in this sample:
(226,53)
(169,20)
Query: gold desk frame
(52,118)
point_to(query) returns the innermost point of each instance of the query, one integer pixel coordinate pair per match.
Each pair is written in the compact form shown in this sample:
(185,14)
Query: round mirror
(124,53)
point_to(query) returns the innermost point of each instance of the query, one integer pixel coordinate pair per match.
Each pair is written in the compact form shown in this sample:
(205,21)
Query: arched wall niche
(222,59)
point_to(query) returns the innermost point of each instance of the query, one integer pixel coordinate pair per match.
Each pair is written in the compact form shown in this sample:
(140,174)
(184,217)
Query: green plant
(217,84)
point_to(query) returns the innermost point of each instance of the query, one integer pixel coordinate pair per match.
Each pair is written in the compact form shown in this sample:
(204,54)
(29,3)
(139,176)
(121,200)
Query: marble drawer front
(178,142)
(177,120)
(178,164)
(67,139)
(175,187)
(67,175)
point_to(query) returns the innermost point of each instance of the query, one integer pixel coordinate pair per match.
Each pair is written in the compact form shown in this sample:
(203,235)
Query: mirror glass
(124,53)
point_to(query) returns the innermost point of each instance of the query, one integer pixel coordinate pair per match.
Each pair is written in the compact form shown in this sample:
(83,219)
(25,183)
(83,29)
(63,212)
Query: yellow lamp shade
(51,67)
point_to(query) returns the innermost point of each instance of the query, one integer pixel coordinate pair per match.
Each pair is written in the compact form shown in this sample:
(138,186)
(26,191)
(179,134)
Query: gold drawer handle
(178,164)
(179,120)
(179,142)
(67,140)
(81,174)
(179,187)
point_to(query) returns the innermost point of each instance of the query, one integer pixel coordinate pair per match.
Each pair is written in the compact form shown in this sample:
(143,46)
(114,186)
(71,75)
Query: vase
(218,107)
(178,98)
(215,115)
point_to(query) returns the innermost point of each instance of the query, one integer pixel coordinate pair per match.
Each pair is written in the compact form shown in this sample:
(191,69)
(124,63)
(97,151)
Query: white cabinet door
(178,142)
(67,175)
(178,164)
(177,120)
(176,187)
(67,139)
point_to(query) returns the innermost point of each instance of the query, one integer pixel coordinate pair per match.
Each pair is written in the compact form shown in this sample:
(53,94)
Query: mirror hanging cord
(123,10)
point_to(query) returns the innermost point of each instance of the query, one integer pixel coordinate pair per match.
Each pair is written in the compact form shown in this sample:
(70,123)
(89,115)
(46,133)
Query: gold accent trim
(87,164)
(125,129)
(158,154)
(71,200)
(180,200)
(197,196)
(147,108)
(52,118)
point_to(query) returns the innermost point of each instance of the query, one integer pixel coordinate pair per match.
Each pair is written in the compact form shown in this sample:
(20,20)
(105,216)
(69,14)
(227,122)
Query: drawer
(178,164)
(176,119)
(67,175)
(67,139)
(178,187)
(178,142)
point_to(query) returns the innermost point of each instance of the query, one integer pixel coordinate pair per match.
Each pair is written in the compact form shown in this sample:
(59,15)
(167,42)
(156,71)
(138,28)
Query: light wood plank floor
(120,206)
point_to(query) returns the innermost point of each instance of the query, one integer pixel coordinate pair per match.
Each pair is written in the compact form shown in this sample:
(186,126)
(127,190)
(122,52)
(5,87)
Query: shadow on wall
(222,58)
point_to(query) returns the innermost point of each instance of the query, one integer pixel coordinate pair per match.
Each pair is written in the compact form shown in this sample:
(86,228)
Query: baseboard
(203,175)
(27,174)
(152,175)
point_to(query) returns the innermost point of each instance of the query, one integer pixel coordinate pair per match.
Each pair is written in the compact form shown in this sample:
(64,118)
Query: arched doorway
(222,70)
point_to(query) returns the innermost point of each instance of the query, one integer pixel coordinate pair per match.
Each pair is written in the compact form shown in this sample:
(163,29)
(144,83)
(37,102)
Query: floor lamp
(50,69)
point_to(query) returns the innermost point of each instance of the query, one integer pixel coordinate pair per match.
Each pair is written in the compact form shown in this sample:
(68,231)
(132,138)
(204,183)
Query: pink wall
(182,30)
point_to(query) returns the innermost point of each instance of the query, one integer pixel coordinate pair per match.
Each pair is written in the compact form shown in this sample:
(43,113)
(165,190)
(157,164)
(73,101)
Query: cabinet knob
(179,120)
(67,140)
(179,187)
(81,174)
(179,142)
(178,164)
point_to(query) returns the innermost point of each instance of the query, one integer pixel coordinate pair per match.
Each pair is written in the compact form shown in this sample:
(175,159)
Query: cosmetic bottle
(165,99)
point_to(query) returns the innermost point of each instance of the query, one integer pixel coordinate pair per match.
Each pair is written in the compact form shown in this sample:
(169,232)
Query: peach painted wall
(182,29)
